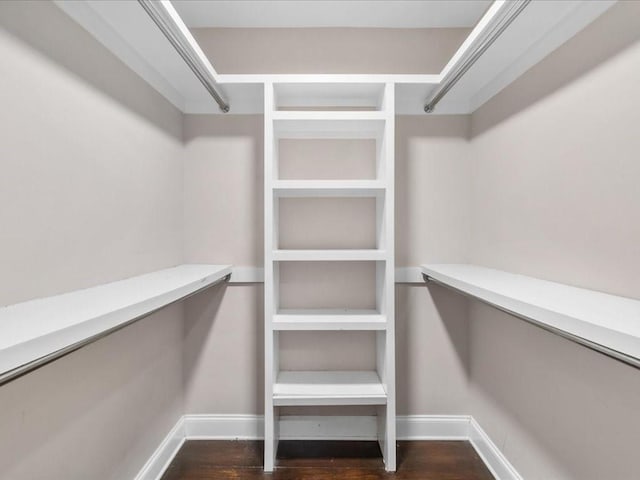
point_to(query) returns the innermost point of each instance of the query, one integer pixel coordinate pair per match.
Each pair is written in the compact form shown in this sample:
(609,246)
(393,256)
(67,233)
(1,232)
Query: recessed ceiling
(124,27)
(331,13)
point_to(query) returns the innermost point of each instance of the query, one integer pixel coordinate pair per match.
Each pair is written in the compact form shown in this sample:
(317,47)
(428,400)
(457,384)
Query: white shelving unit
(38,330)
(289,113)
(603,322)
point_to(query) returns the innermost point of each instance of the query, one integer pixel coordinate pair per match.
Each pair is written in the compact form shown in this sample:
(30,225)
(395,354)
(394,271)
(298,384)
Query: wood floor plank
(326,460)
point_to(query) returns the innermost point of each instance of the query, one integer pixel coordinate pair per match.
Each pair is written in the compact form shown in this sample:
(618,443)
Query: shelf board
(304,116)
(328,255)
(328,188)
(603,322)
(328,388)
(329,319)
(32,330)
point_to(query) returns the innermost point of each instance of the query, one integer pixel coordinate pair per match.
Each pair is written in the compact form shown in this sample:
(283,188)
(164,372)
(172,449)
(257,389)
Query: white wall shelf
(43,329)
(603,322)
(328,388)
(329,319)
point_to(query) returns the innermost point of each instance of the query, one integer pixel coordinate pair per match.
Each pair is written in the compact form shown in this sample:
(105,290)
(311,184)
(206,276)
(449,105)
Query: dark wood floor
(432,460)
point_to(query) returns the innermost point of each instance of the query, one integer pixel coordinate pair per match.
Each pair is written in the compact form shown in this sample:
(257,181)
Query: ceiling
(125,29)
(331,13)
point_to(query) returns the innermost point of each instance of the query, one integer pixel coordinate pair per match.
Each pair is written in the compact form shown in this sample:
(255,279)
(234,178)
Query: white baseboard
(223,427)
(432,427)
(250,427)
(490,454)
(328,428)
(162,457)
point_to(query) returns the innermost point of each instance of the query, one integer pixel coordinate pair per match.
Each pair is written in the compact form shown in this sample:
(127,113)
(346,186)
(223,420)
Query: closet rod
(169,22)
(28,367)
(609,352)
(509,14)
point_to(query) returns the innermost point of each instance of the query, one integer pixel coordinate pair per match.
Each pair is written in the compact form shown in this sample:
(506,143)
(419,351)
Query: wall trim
(244,275)
(432,427)
(250,427)
(490,454)
(159,461)
(223,427)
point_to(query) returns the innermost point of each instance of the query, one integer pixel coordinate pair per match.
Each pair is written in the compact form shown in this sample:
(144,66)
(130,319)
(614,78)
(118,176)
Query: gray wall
(555,196)
(90,192)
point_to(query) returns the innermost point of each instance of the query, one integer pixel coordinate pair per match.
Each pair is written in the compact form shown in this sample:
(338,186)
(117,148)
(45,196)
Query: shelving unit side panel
(270,293)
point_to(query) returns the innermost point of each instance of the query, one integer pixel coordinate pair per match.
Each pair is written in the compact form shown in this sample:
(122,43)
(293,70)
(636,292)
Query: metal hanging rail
(169,22)
(508,14)
(28,367)
(597,347)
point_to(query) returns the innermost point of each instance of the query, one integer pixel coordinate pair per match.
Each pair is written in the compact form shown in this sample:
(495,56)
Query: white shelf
(608,323)
(328,188)
(356,116)
(328,255)
(329,319)
(38,328)
(328,388)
